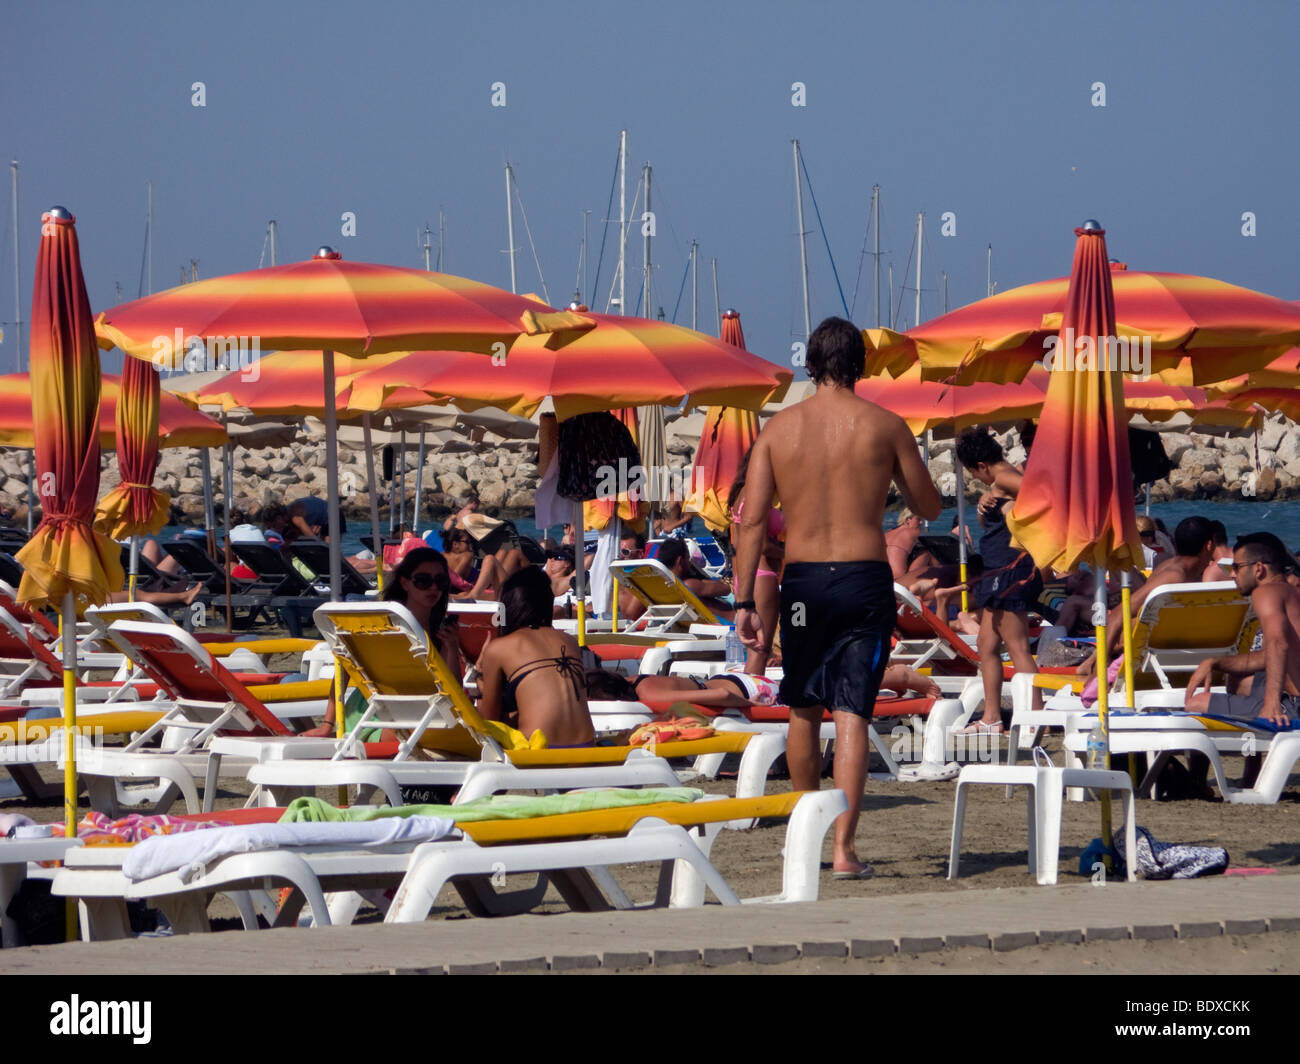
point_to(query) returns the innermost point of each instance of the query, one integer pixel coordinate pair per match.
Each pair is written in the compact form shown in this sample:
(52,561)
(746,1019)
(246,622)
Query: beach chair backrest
(670,603)
(916,621)
(11,571)
(198,563)
(187,673)
(476,623)
(1180,625)
(18,646)
(315,554)
(271,568)
(382,644)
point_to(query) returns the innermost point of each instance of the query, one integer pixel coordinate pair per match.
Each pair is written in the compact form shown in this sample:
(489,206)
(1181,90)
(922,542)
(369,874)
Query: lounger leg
(687,886)
(757,761)
(709,765)
(103,919)
(187,913)
(804,836)
(958,821)
(343,906)
(1130,836)
(210,781)
(1032,806)
(247,912)
(11,881)
(1048,797)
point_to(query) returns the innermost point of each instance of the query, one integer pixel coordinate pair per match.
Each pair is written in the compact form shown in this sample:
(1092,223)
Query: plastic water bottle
(1096,748)
(735,651)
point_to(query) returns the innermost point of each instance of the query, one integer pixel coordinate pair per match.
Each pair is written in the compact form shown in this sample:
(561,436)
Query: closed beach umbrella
(1220,329)
(134,507)
(1076,501)
(66,562)
(725,439)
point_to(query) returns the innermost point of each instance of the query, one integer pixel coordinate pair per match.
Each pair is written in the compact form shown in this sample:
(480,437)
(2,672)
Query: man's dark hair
(1219,532)
(1191,535)
(528,600)
(636,536)
(836,353)
(671,551)
(273,511)
(1264,547)
(976,446)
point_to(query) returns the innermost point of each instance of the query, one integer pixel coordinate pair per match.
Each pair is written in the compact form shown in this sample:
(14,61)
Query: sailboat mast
(622,221)
(803,243)
(875,228)
(646,309)
(271,227)
(988,280)
(920,229)
(427,247)
(695,285)
(717,306)
(510,229)
(18,284)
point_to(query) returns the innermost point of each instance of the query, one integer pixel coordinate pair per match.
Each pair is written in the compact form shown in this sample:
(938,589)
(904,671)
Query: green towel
(495,806)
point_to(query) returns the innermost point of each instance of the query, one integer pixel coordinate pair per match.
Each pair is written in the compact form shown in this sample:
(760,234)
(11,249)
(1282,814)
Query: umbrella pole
(1126,612)
(31,491)
(1103,693)
(227,490)
(135,567)
(401,477)
(374,503)
(332,479)
(961,534)
(68,633)
(1148,500)
(613,593)
(580,572)
(419,486)
(209,510)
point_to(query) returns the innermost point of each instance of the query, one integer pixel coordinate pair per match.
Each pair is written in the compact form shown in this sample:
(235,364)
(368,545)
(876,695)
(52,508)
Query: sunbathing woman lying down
(728,689)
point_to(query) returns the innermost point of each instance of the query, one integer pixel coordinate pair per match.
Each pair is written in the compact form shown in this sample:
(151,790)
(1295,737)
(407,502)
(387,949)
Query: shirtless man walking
(830,459)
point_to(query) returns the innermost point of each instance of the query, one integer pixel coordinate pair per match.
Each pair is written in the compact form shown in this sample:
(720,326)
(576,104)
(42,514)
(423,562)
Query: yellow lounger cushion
(34,731)
(621,820)
(725,743)
(302,691)
(262,646)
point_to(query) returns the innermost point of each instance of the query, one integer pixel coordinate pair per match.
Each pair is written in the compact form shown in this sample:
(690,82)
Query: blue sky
(384,109)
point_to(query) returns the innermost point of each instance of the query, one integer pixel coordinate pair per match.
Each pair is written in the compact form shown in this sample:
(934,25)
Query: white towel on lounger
(189,853)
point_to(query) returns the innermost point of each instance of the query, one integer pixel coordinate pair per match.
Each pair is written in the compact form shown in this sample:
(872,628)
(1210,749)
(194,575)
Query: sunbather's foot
(856,870)
(981,727)
(192,592)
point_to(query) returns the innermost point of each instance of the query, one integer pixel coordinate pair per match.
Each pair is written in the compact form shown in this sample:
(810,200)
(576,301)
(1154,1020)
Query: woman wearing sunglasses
(421,583)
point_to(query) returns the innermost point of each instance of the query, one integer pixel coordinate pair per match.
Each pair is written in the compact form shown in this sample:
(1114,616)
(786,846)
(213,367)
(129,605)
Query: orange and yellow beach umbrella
(179,425)
(621,362)
(1221,330)
(327,304)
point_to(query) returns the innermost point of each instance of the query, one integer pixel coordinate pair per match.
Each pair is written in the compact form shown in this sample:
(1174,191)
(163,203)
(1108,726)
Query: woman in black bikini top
(532,677)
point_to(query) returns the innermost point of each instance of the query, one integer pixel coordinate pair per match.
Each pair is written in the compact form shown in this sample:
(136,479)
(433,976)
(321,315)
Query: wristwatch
(748,604)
